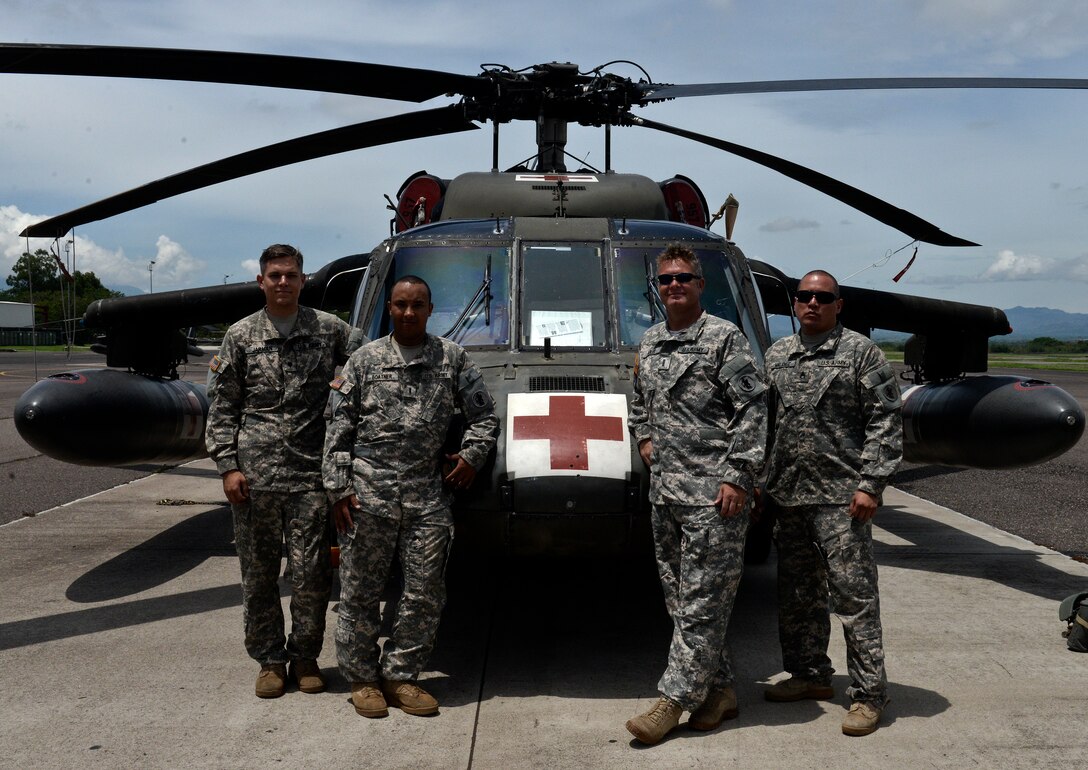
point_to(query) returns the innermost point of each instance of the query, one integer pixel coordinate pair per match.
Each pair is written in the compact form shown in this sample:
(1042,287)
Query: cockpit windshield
(563,298)
(470,290)
(563,295)
(638,303)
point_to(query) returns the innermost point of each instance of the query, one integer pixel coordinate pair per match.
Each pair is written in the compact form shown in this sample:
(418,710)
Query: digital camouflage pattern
(700,398)
(389,423)
(261,527)
(268,394)
(384,444)
(826,564)
(267,399)
(837,422)
(700,560)
(366,562)
(837,429)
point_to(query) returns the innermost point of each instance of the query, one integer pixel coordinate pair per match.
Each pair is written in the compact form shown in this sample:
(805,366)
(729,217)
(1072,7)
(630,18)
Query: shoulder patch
(747,383)
(216,363)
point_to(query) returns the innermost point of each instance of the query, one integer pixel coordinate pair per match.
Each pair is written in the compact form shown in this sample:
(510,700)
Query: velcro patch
(341,384)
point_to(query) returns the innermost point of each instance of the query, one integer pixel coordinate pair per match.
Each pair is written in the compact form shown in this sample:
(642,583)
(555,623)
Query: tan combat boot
(655,724)
(272,681)
(368,700)
(796,688)
(307,675)
(861,719)
(718,706)
(410,698)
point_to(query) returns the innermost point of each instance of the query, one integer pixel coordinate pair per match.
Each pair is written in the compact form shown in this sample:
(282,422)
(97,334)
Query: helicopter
(544,274)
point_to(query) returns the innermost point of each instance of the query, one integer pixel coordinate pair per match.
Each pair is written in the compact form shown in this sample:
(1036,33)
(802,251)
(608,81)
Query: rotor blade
(657,92)
(327,75)
(412,125)
(901,220)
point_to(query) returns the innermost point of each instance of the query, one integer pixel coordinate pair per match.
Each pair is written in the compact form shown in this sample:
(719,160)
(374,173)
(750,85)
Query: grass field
(1054,362)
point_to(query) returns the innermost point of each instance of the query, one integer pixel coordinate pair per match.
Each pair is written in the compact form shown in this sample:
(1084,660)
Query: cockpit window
(562,296)
(638,303)
(470,290)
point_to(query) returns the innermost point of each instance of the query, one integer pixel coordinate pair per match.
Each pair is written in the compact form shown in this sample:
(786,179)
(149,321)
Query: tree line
(57,295)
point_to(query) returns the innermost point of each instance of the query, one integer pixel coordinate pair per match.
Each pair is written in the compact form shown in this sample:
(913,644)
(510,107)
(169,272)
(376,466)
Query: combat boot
(796,688)
(861,719)
(307,675)
(655,724)
(410,698)
(368,700)
(718,706)
(272,681)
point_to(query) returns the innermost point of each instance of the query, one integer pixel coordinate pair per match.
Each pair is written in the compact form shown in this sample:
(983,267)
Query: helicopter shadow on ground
(158,560)
(757,657)
(937,547)
(153,563)
(598,629)
(911,473)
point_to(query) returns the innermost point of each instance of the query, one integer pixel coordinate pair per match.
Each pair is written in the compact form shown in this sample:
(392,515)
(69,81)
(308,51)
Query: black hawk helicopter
(545,274)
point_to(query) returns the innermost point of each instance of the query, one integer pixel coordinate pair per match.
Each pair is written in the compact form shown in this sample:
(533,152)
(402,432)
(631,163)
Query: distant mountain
(1027,324)
(1030,322)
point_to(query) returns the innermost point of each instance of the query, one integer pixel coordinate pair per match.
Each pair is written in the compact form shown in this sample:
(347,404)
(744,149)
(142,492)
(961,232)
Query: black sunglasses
(823,297)
(666,278)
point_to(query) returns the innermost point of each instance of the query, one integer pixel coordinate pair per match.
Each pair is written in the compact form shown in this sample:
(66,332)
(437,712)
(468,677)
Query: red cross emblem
(567,427)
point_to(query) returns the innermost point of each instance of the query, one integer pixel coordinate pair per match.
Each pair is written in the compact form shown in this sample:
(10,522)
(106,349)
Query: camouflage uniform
(384,444)
(266,419)
(837,429)
(699,397)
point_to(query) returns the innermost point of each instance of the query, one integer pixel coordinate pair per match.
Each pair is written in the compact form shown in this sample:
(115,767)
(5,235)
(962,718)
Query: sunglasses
(823,297)
(666,278)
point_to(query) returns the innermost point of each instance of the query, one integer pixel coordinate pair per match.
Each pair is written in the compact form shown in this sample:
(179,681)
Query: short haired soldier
(700,420)
(268,391)
(837,441)
(382,468)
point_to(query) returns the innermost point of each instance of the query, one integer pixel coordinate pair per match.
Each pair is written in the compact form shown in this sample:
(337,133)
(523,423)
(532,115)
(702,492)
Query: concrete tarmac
(121,646)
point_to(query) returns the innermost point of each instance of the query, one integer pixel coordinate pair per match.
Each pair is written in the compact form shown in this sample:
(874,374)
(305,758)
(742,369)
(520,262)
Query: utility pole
(150,279)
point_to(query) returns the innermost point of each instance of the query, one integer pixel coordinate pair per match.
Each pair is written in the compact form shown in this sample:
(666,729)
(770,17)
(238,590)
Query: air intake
(566,384)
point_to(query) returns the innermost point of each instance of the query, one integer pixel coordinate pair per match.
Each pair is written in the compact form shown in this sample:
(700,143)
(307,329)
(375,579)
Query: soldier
(268,391)
(396,400)
(837,442)
(700,420)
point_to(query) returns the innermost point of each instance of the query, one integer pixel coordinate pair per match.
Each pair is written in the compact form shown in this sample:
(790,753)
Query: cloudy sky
(1007,169)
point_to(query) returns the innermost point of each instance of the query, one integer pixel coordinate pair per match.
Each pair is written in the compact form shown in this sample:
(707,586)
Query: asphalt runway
(121,639)
(1044,504)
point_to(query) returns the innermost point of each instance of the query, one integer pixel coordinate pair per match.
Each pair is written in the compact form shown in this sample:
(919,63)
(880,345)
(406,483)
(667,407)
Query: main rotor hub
(554,91)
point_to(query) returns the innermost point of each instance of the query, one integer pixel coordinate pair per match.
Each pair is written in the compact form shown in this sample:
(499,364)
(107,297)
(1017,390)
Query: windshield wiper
(483,294)
(653,299)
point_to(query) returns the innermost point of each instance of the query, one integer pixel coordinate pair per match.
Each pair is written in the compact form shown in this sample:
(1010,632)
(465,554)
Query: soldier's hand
(462,475)
(341,513)
(646,450)
(863,506)
(235,487)
(730,499)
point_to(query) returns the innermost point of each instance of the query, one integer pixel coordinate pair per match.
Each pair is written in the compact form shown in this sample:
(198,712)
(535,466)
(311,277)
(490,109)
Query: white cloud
(174,266)
(1017,267)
